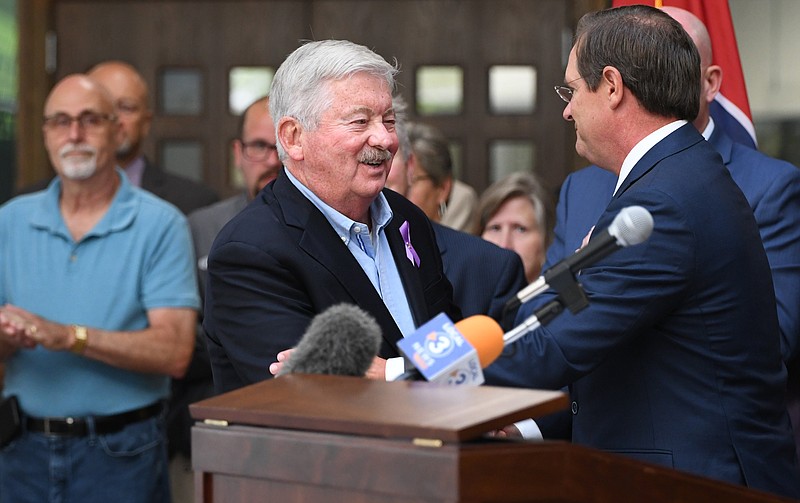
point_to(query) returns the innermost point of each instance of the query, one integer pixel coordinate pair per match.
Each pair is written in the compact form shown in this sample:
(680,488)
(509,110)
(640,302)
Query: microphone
(450,353)
(341,340)
(631,226)
(485,338)
(485,335)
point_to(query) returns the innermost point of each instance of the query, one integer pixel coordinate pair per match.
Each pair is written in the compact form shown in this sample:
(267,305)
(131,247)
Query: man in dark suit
(677,359)
(129,90)
(771,186)
(324,232)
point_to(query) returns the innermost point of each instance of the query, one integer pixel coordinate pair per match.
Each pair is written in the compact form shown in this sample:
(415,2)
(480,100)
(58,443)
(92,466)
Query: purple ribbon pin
(411,253)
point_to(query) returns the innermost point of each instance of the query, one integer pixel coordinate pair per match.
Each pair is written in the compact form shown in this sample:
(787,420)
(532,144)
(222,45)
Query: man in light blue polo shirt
(98,301)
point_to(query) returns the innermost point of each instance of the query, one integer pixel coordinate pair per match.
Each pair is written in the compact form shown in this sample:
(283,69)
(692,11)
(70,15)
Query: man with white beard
(97,288)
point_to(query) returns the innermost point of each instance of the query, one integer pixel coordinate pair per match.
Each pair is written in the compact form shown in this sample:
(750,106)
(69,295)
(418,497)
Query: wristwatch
(81,339)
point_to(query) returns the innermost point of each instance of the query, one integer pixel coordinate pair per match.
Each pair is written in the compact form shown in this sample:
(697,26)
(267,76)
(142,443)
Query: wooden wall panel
(214,36)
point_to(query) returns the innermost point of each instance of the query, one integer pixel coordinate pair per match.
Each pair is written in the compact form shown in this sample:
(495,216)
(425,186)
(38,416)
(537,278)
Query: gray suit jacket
(205,224)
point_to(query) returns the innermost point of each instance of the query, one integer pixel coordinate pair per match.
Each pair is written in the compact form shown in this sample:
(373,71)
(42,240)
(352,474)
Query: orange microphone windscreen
(485,335)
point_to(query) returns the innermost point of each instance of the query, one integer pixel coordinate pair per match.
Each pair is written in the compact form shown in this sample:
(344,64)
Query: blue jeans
(129,466)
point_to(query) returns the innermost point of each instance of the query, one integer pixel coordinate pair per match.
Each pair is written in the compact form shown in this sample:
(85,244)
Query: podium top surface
(354,405)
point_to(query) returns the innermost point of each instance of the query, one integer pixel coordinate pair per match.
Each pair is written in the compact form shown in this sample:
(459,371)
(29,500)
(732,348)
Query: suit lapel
(409,274)
(318,239)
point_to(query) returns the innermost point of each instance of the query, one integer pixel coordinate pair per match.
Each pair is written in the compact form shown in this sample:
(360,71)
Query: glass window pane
(512,89)
(182,157)
(181,91)
(440,90)
(510,156)
(247,84)
(779,137)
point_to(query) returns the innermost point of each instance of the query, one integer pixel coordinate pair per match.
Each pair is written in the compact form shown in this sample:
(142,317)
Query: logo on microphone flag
(442,354)
(730,108)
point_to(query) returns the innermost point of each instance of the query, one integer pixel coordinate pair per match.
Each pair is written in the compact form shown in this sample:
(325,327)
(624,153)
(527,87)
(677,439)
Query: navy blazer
(676,360)
(772,189)
(484,276)
(279,262)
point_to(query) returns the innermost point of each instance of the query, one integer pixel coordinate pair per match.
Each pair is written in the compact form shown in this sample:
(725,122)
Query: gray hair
(432,151)
(299,87)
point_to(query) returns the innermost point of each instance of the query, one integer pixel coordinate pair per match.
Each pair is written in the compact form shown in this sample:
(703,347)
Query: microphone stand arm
(570,295)
(542,316)
(570,292)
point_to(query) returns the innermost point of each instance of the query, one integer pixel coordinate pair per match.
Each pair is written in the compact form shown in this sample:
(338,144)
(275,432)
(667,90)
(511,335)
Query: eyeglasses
(88,121)
(565,92)
(257,150)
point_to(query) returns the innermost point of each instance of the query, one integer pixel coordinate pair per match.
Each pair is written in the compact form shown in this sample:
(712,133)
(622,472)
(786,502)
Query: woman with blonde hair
(512,213)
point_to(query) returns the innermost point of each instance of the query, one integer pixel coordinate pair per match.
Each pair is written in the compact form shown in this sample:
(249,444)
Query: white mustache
(79,148)
(78,168)
(374,155)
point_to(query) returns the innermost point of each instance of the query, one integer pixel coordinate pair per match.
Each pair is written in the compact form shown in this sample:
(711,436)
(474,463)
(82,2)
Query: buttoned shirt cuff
(529,429)
(395,368)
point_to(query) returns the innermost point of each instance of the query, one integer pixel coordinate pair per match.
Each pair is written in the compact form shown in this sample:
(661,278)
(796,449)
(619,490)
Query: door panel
(207,37)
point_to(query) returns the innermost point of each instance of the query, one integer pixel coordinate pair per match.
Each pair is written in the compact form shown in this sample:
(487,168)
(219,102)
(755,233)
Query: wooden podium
(312,438)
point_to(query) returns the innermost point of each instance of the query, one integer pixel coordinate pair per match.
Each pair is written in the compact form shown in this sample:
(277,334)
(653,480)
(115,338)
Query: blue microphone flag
(442,354)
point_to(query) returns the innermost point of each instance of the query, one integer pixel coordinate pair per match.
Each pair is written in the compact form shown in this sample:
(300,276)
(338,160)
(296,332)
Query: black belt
(79,427)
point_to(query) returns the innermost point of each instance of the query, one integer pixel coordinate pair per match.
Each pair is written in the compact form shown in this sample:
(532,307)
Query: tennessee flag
(730,109)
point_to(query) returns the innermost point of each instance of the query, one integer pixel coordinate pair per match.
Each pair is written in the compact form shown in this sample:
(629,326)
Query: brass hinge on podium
(216,422)
(427,442)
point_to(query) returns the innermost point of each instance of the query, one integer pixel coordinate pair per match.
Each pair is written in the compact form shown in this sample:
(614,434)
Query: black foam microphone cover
(341,340)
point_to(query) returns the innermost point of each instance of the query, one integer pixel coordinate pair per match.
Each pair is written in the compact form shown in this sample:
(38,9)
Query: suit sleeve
(628,291)
(778,217)
(255,308)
